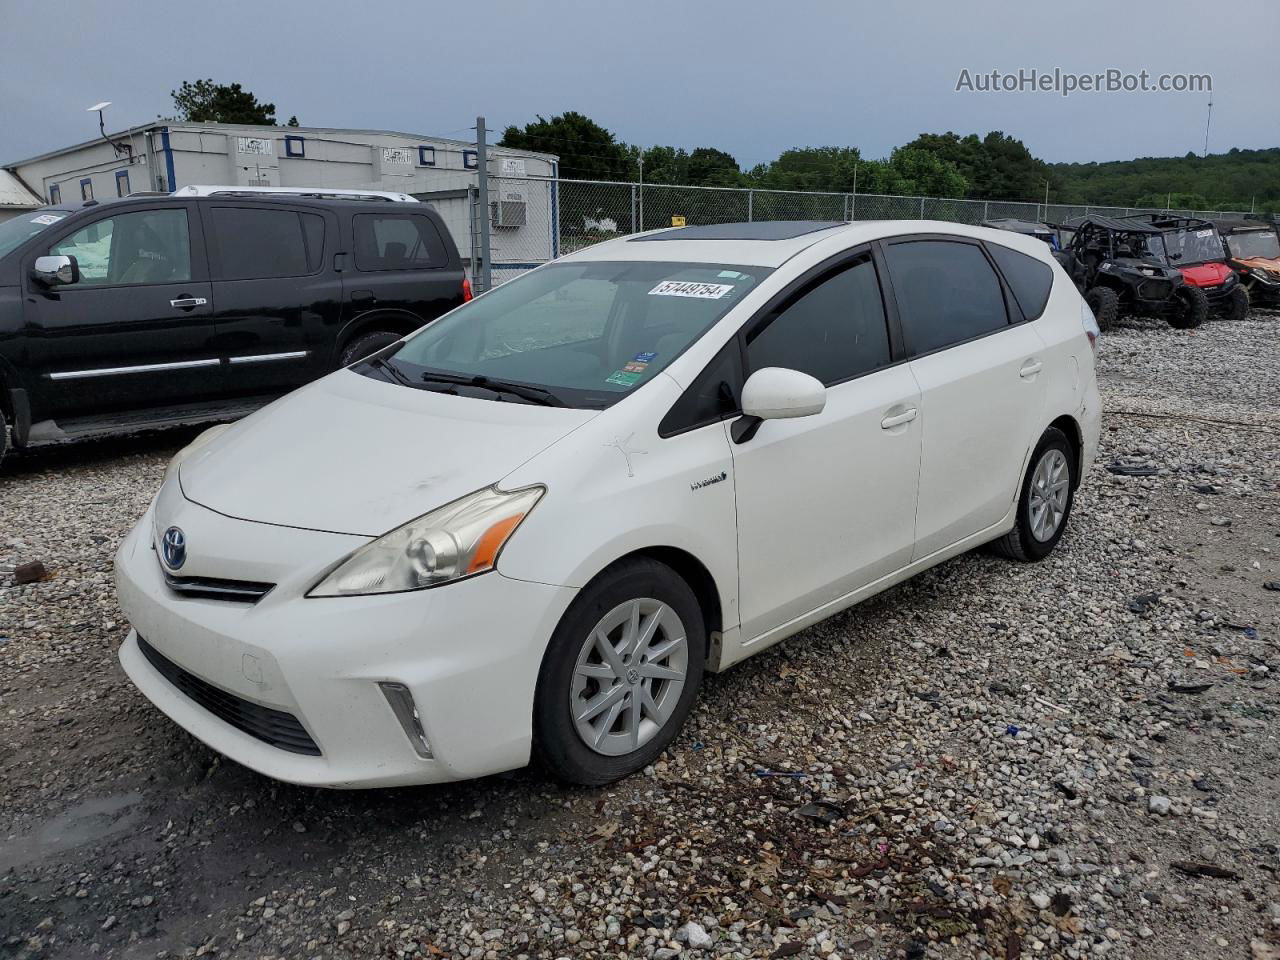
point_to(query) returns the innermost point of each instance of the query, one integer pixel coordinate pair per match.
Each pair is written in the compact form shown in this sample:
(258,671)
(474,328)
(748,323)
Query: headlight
(209,435)
(457,540)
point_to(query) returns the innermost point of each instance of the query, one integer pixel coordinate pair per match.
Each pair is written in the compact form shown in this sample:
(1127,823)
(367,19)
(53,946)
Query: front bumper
(468,652)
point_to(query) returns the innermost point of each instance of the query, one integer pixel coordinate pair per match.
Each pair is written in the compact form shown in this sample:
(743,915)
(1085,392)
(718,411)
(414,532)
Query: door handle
(1030,368)
(186,303)
(898,419)
(363,296)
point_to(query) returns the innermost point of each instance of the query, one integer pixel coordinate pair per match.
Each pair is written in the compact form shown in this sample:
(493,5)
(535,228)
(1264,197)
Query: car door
(826,503)
(403,267)
(135,331)
(279,302)
(980,383)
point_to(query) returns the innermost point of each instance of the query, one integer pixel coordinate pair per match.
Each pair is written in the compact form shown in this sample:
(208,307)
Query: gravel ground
(1074,758)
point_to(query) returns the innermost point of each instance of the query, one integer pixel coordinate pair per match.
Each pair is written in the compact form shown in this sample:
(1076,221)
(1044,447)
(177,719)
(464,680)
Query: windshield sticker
(644,357)
(635,367)
(730,274)
(46,219)
(689,288)
(1204,233)
(624,379)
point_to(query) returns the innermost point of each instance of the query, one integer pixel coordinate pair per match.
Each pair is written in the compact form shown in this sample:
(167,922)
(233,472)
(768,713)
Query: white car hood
(351,454)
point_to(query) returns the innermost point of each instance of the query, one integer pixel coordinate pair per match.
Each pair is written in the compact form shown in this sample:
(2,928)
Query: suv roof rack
(318,193)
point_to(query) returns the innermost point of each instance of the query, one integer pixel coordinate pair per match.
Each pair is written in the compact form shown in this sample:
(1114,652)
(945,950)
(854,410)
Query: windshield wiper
(525,392)
(394,372)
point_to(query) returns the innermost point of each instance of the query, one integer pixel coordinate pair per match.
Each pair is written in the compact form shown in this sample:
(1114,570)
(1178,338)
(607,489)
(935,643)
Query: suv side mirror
(776,393)
(53,271)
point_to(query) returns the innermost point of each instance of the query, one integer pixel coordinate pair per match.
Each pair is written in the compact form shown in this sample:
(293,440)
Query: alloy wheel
(628,677)
(1050,486)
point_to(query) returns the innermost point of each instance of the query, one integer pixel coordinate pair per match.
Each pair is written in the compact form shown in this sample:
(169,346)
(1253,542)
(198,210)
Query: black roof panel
(1113,223)
(760,230)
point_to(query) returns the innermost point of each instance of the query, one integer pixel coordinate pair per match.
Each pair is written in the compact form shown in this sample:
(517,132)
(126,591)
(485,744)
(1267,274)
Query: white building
(167,155)
(15,198)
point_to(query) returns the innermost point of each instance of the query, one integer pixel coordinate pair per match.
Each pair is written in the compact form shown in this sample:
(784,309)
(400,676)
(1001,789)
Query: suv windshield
(13,233)
(1254,243)
(1186,246)
(575,334)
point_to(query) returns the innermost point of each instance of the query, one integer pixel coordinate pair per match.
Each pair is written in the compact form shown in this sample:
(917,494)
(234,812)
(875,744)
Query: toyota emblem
(173,547)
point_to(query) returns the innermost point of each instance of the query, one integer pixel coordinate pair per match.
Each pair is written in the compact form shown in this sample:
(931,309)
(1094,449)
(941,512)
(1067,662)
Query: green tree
(810,168)
(203,101)
(587,151)
(709,167)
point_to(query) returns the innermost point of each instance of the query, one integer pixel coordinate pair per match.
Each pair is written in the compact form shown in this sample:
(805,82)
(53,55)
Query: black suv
(163,310)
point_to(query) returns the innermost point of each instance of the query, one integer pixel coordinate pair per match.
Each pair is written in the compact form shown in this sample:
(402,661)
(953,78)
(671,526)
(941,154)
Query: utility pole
(641,192)
(482,177)
(1207,118)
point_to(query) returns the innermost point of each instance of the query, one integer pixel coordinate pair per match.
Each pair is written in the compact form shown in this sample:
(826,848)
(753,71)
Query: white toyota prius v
(527,530)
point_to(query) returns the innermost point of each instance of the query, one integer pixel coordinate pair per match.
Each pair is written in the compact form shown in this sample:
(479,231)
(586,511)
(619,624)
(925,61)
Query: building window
(470,159)
(122,183)
(295,146)
(86,189)
(55,193)
(426,156)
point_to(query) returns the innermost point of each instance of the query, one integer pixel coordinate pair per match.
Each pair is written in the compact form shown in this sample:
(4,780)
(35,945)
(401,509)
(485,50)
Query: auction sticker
(689,288)
(46,219)
(624,379)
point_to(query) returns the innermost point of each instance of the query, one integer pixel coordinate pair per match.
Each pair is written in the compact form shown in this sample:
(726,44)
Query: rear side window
(260,244)
(1029,279)
(833,331)
(398,242)
(947,293)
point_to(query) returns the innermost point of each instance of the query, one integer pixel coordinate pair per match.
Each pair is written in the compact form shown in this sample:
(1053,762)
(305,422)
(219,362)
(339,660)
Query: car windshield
(1254,243)
(1192,245)
(14,232)
(574,334)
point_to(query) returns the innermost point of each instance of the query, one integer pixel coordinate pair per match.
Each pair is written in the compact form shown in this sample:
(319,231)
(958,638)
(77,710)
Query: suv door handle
(363,296)
(186,303)
(898,419)
(1030,368)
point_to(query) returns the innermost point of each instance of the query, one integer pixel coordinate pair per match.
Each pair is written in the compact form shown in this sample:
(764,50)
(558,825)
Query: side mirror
(776,393)
(52,271)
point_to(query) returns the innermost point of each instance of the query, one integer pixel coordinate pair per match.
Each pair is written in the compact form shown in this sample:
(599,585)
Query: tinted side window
(397,242)
(947,293)
(833,331)
(712,396)
(1029,279)
(257,244)
(148,247)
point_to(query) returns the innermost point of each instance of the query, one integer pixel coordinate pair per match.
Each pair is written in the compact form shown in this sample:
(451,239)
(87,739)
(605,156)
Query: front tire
(366,345)
(1044,504)
(1190,308)
(1105,304)
(620,675)
(1237,304)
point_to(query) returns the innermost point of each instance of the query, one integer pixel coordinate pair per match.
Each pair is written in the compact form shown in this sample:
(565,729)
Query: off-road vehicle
(1028,228)
(1253,251)
(1195,248)
(1120,267)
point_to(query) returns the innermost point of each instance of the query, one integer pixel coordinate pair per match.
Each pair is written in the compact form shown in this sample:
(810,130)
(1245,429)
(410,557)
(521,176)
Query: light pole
(1046,198)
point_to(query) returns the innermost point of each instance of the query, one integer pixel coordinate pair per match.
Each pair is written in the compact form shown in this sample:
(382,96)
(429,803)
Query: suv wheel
(365,345)
(1189,309)
(1237,304)
(1044,506)
(620,674)
(1105,304)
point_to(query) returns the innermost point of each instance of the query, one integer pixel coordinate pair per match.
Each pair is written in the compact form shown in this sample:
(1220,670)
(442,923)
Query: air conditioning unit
(509,210)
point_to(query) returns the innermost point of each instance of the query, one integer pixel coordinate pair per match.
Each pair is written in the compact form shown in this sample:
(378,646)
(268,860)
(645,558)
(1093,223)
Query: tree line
(996,166)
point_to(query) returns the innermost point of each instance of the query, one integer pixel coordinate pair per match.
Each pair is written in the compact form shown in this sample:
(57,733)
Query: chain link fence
(536,220)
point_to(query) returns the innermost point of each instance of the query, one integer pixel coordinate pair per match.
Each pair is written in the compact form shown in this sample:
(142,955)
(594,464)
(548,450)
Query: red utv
(1195,249)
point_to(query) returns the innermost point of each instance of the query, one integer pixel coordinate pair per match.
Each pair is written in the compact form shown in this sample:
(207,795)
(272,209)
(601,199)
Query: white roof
(207,190)
(14,194)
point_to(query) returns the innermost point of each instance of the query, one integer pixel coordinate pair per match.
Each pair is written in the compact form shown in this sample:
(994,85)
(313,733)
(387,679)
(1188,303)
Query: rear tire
(4,436)
(365,345)
(1044,507)
(1105,304)
(576,674)
(1190,308)
(1237,304)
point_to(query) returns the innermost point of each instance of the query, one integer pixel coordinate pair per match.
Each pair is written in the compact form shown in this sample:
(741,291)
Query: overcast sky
(750,78)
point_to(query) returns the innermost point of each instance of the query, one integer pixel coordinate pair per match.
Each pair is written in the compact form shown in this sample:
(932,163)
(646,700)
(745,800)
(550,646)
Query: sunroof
(760,230)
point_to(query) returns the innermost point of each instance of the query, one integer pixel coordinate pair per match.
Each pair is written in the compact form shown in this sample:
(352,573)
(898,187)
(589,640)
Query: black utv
(1121,268)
